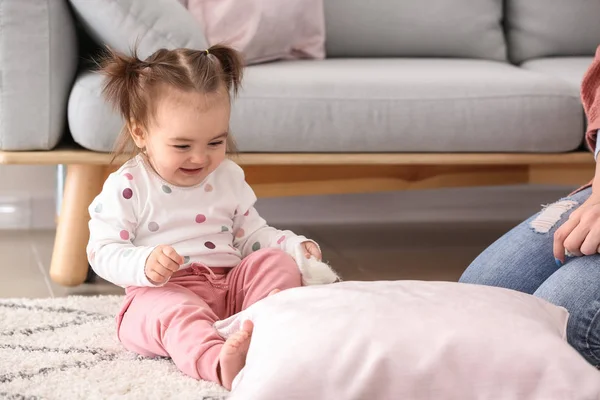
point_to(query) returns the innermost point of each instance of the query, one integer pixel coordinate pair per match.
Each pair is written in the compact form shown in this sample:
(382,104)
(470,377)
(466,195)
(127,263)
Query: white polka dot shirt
(213,224)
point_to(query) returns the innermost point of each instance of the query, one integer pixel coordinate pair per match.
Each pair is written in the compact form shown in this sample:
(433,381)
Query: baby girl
(176,224)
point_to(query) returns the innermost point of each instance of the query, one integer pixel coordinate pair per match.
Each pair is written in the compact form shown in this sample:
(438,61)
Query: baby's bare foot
(233,354)
(274,291)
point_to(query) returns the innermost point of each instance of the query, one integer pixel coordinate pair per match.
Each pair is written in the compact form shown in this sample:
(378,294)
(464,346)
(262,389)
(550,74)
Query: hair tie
(206,51)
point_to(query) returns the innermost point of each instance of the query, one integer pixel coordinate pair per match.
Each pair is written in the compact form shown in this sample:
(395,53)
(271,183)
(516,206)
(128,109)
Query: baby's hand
(311,249)
(161,264)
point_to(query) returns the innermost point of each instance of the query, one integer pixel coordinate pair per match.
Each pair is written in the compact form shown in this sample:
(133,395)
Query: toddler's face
(186,139)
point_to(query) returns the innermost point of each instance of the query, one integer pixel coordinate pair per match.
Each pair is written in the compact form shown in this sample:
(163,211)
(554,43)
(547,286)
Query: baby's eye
(215,144)
(182,146)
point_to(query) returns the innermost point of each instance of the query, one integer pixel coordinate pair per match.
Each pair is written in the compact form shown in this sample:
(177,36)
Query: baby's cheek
(217,159)
(161,157)
(170,162)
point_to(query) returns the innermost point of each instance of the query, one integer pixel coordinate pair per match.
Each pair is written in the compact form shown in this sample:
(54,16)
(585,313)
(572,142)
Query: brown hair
(130,82)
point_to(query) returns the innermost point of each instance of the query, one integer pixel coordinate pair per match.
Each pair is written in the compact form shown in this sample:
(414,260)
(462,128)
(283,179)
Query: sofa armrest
(38,59)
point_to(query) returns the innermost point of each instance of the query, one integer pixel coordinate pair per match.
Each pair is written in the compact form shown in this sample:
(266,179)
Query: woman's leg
(523,259)
(173,321)
(576,286)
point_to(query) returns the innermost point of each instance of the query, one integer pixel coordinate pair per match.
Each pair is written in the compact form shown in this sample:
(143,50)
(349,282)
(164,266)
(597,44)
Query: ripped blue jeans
(522,260)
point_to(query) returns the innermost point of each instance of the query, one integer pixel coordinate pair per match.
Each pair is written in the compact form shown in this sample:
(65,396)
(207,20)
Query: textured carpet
(66,348)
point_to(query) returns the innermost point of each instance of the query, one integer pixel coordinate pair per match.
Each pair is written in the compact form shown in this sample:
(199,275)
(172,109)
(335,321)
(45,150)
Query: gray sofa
(400,76)
(497,79)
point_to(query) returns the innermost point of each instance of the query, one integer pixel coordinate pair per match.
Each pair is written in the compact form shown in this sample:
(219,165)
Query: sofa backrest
(415,28)
(546,28)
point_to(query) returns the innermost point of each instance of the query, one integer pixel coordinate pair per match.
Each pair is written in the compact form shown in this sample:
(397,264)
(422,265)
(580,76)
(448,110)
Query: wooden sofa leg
(69,264)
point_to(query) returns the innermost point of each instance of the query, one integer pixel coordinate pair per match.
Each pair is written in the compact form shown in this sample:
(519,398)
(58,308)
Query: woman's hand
(580,234)
(311,249)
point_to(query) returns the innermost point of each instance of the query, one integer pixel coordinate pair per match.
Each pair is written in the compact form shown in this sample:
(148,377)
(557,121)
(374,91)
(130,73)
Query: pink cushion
(409,340)
(264,30)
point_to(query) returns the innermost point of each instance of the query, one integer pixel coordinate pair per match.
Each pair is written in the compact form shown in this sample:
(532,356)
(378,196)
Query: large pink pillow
(264,30)
(409,340)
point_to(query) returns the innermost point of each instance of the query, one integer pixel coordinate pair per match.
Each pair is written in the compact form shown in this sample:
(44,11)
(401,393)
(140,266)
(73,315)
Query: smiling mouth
(191,171)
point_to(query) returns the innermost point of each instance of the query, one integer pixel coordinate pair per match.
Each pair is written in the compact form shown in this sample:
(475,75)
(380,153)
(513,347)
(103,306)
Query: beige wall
(40,179)
(31,191)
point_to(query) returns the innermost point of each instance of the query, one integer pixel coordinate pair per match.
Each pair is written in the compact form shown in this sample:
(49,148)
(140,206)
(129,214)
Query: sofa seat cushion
(569,69)
(378,105)
(38,59)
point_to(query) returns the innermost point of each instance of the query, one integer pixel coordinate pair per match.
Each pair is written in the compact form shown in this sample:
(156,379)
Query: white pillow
(409,340)
(151,25)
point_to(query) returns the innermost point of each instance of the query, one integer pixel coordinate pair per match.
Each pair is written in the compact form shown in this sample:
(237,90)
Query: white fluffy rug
(66,348)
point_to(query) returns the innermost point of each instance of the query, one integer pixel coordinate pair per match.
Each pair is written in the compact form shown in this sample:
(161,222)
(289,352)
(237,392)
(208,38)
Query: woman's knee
(552,216)
(523,258)
(520,260)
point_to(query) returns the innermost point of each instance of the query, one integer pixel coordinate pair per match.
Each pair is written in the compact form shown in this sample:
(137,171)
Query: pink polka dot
(246,213)
(210,245)
(208,188)
(200,218)
(128,176)
(92,255)
(240,233)
(281,239)
(127,193)
(124,235)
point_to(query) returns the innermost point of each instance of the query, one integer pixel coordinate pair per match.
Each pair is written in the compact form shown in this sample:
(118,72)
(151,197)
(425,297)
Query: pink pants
(176,320)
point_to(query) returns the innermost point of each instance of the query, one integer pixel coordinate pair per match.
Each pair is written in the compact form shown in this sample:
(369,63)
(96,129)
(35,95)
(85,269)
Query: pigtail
(232,65)
(123,86)
(123,89)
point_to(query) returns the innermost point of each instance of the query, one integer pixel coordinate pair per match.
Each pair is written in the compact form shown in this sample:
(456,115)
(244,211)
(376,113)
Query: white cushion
(409,340)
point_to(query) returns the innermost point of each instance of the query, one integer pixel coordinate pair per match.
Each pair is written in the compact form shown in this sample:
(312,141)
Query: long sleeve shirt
(590,97)
(214,223)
